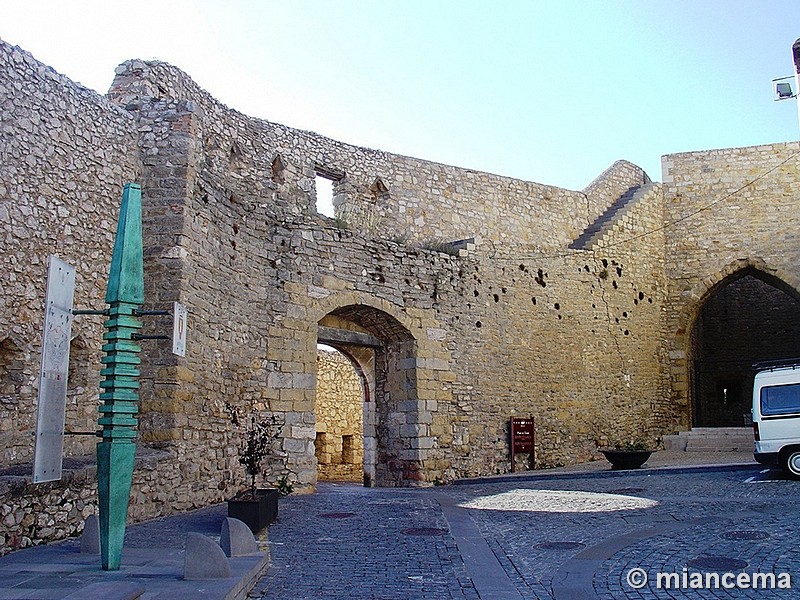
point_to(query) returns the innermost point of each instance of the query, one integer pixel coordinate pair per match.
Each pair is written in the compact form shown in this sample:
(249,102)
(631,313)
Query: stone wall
(381,193)
(450,341)
(65,153)
(244,174)
(34,513)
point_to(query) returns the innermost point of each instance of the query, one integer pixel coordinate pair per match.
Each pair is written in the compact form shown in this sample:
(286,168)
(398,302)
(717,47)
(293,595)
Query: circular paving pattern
(558,501)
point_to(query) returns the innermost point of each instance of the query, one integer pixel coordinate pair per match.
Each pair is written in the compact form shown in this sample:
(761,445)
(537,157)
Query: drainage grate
(342,515)
(430,531)
(560,545)
(745,535)
(717,563)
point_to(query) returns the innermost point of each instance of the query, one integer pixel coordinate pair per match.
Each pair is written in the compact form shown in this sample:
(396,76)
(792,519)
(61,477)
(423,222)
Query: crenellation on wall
(419,194)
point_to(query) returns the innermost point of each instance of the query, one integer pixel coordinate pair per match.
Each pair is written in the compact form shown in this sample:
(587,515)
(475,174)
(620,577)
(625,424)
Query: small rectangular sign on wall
(180,319)
(49,444)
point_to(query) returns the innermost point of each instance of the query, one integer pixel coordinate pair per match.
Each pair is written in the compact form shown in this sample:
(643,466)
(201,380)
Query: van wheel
(792,464)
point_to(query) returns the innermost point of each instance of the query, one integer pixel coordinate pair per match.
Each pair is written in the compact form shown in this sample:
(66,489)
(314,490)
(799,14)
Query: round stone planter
(626,459)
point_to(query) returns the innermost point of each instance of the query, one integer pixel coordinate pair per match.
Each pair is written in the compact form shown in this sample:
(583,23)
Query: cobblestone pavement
(561,536)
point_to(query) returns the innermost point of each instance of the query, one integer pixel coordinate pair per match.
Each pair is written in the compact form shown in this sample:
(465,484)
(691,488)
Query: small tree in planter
(258,444)
(256,507)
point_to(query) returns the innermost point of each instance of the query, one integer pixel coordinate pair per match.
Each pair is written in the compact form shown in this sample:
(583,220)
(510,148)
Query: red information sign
(522,439)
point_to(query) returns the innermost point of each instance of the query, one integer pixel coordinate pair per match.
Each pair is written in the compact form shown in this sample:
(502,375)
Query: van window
(780,399)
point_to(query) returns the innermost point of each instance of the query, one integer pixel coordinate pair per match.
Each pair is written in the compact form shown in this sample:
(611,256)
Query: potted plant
(628,455)
(256,507)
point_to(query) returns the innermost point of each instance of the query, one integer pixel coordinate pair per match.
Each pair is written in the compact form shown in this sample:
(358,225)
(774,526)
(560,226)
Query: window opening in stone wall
(327,186)
(348,449)
(278,169)
(378,190)
(324,190)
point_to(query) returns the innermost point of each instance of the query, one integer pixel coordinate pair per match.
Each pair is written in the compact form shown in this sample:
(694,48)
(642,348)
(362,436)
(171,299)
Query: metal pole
(117,421)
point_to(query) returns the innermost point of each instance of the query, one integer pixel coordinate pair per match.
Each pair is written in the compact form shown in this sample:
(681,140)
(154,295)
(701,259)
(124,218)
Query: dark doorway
(746,319)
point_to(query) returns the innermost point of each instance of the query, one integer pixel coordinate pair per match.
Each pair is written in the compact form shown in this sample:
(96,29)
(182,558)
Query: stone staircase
(711,439)
(613,214)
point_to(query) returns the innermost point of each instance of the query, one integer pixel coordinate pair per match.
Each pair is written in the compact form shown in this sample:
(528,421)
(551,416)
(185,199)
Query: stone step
(611,216)
(711,439)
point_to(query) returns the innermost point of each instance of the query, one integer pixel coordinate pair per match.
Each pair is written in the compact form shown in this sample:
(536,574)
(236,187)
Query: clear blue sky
(548,91)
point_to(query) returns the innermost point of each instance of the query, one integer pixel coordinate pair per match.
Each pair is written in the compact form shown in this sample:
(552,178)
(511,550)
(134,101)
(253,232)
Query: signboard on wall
(522,439)
(49,444)
(180,319)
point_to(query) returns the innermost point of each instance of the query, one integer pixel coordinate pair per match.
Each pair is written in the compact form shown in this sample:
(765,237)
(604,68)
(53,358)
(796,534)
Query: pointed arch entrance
(747,317)
(383,351)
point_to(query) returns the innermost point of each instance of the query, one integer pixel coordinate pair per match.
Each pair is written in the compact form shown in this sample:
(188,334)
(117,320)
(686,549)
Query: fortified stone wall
(522,322)
(570,338)
(226,243)
(727,212)
(413,199)
(65,153)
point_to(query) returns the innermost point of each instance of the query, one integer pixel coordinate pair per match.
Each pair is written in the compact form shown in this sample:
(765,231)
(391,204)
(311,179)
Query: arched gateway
(384,353)
(749,315)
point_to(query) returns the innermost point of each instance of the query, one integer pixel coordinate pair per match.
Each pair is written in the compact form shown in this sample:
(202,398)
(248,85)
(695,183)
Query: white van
(776,415)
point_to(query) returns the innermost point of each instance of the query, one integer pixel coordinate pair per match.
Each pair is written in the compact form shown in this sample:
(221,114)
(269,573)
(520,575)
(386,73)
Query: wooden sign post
(521,439)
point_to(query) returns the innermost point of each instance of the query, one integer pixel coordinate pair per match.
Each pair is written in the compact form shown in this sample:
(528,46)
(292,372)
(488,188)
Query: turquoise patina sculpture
(117,420)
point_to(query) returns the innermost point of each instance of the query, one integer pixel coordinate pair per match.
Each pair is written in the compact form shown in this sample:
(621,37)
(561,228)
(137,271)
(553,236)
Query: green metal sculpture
(117,421)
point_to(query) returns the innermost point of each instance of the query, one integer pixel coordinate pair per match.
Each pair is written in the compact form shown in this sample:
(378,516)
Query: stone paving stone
(367,555)
(685,515)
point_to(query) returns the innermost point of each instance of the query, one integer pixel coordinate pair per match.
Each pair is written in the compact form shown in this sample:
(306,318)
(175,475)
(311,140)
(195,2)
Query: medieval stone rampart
(569,306)
(339,418)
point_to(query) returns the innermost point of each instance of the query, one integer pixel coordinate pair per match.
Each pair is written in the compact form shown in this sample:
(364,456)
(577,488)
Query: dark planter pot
(626,459)
(256,512)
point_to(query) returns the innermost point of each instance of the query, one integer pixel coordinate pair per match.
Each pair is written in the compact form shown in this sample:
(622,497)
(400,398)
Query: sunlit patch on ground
(558,501)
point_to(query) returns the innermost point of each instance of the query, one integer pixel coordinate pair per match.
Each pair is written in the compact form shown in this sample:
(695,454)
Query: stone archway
(342,395)
(750,315)
(384,351)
